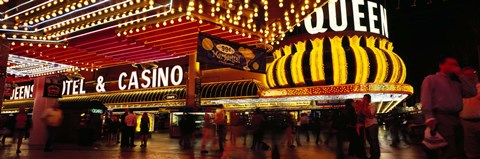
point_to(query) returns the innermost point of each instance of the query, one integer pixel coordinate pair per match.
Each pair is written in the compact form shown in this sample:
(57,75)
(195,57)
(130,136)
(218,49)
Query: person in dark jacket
(22,125)
(123,127)
(346,129)
(144,129)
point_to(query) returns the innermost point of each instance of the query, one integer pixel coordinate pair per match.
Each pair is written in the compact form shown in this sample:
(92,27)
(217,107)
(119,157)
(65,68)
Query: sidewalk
(164,147)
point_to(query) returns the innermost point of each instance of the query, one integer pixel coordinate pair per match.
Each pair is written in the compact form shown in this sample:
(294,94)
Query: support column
(38,133)
(4,48)
(193,81)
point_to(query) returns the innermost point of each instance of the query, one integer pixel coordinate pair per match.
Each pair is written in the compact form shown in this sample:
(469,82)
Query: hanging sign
(217,51)
(53,87)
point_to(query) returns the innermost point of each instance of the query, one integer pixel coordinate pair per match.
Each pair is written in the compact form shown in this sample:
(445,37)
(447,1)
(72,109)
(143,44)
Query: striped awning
(231,89)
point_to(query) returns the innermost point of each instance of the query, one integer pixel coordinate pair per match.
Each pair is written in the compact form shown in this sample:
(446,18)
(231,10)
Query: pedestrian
(124,129)
(471,118)
(346,128)
(304,123)
(187,128)
(395,121)
(85,135)
(9,129)
(258,120)
(221,122)
(106,128)
(289,131)
(131,123)
(316,127)
(144,129)
(53,118)
(371,126)
(208,131)
(357,146)
(114,129)
(235,126)
(441,98)
(22,125)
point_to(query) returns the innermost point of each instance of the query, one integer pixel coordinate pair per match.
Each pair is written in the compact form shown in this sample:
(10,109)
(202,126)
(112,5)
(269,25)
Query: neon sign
(374,14)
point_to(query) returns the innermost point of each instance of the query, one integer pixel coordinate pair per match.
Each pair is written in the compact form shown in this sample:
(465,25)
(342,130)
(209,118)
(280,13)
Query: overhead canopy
(234,89)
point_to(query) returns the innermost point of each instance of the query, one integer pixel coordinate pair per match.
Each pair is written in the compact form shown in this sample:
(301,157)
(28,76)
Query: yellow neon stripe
(281,74)
(361,59)
(404,71)
(296,65)
(395,65)
(380,59)
(316,62)
(339,61)
(270,78)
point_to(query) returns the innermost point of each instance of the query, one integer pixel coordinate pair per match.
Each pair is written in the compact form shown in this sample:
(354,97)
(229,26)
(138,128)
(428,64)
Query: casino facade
(167,56)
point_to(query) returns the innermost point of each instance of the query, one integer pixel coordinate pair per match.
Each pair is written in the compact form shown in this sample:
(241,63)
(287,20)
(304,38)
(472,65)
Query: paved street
(161,146)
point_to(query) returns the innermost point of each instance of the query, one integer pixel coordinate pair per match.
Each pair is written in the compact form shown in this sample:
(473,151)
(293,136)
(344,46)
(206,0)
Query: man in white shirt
(371,126)
(470,116)
(131,123)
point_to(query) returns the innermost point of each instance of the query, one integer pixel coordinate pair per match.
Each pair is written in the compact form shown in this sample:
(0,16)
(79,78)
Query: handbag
(433,140)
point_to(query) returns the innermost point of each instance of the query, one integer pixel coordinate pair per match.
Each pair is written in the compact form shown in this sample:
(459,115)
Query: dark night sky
(424,33)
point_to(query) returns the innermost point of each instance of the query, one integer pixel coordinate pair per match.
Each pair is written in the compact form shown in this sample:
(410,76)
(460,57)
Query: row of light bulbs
(3,2)
(38,44)
(68,8)
(179,20)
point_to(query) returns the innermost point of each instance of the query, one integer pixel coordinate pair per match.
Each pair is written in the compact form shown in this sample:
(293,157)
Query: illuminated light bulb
(118,34)
(144,28)
(79,5)
(93,1)
(157,25)
(124,33)
(165,23)
(171,21)
(230,30)
(180,19)
(200,21)
(14,36)
(130,31)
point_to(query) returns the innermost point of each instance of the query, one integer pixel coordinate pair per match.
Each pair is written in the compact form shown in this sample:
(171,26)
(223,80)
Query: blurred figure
(277,126)
(22,125)
(123,127)
(106,127)
(235,126)
(131,123)
(208,131)
(53,118)
(441,99)
(187,127)
(221,122)
(9,128)
(289,131)
(258,120)
(86,134)
(357,145)
(316,126)
(395,121)
(346,128)
(304,128)
(471,118)
(114,129)
(144,129)
(371,126)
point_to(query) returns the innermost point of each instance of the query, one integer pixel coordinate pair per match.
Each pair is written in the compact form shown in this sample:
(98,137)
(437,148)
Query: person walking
(371,126)
(441,99)
(22,125)
(124,130)
(236,128)
(131,123)
(305,126)
(316,126)
(471,118)
(208,131)
(221,122)
(346,128)
(144,129)
(357,146)
(257,129)
(53,118)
